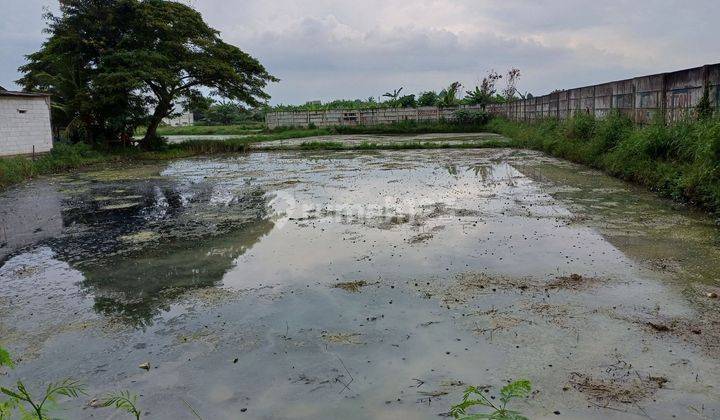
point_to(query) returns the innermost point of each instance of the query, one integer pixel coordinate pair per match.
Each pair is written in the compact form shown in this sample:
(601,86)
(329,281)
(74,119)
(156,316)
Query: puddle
(362,285)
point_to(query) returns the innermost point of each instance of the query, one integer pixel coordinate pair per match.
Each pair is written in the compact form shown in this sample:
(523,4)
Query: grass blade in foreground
(475,397)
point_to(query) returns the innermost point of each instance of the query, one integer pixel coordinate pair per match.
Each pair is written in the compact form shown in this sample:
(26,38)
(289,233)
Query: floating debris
(139,237)
(119,206)
(341,338)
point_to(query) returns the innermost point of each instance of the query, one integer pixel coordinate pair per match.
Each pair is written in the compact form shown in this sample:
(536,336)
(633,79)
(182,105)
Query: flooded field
(361,285)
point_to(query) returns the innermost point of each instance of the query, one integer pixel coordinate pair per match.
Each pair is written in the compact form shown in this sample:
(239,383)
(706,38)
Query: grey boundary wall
(673,95)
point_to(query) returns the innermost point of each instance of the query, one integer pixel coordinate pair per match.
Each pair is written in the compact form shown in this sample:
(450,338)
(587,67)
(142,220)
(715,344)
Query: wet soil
(361,285)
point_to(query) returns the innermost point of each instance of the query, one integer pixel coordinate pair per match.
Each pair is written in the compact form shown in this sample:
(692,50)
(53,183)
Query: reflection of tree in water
(138,287)
(452,169)
(99,219)
(141,244)
(481,171)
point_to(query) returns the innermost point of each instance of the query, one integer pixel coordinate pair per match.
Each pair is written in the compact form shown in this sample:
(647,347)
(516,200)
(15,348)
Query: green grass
(681,161)
(322,145)
(318,145)
(410,127)
(198,130)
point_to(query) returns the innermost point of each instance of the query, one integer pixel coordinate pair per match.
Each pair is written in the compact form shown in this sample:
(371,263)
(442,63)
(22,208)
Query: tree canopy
(114,64)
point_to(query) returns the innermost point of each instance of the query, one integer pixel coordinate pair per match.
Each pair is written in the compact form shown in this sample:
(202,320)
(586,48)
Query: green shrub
(704,109)
(472,117)
(580,127)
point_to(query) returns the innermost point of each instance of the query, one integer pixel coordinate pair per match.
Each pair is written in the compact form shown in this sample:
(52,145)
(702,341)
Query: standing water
(361,285)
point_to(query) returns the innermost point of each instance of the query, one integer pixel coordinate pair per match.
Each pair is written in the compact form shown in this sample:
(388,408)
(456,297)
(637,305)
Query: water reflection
(141,244)
(138,287)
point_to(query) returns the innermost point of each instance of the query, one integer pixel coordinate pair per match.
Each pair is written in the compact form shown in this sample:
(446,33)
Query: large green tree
(89,97)
(113,64)
(178,53)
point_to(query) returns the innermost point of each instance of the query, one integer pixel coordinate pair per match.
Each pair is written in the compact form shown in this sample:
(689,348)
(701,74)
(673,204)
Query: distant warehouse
(24,123)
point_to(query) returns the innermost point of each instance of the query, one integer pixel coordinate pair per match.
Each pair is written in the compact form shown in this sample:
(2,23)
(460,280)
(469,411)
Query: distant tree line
(485,94)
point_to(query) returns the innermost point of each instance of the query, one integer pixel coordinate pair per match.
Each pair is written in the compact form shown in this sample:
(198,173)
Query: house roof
(22,94)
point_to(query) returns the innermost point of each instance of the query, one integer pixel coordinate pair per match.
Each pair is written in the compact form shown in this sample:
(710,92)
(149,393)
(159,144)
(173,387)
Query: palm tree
(394,95)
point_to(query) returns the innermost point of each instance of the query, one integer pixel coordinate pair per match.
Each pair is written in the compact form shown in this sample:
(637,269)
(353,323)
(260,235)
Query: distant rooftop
(5,92)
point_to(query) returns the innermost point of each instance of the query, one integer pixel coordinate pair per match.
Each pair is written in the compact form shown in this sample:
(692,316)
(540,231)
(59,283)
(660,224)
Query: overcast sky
(327,49)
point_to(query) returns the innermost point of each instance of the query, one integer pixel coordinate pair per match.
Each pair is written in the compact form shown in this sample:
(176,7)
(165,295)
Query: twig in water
(345,385)
(191,409)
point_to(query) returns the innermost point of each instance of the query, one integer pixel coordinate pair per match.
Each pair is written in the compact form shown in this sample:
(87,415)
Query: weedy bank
(679,161)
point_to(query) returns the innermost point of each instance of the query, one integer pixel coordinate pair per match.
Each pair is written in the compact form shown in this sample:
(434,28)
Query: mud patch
(700,329)
(468,285)
(211,296)
(664,265)
(495,320)
(618,384)
(420,238)
(341,337)
(572,282)
(351,286)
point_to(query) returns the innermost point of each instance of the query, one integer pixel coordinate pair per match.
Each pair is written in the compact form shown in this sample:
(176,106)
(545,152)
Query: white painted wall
(20,131)
(185,119)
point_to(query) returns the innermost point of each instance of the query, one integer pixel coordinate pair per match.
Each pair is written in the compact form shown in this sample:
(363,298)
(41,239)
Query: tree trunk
(161,111)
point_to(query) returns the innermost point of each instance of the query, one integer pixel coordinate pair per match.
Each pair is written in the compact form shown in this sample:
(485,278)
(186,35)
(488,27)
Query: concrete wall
(673,94)
(24,123)
(336,117)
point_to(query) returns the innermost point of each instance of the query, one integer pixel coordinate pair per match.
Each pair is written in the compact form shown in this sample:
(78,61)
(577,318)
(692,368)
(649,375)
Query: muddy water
(361,285)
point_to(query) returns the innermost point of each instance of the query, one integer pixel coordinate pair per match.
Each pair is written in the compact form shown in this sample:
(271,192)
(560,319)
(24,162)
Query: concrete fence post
(634,100)
(663,97)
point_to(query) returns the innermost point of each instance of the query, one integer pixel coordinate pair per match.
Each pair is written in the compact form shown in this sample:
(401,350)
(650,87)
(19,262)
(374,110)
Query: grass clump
(124,401)
(204,130)
(321,145)
(469,124)
(680,161)
(407,145)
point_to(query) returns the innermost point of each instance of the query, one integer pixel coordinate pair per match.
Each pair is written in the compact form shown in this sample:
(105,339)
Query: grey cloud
(328,49)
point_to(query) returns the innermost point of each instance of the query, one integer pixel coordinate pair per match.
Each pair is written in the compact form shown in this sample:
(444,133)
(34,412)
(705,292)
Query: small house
(24,123)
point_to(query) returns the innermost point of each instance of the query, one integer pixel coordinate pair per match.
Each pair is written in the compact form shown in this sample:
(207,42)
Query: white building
(24,123)
(182,120)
